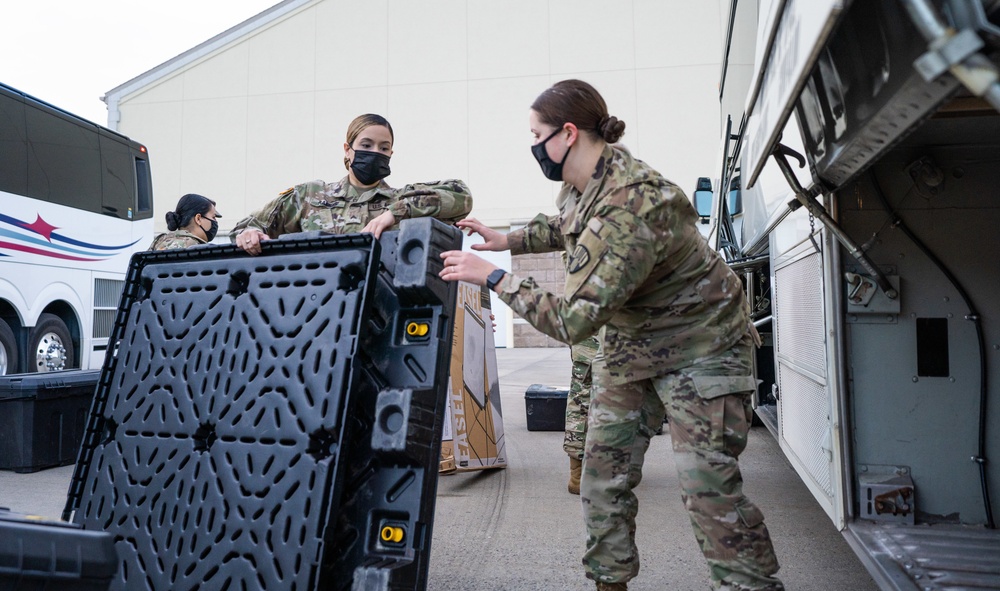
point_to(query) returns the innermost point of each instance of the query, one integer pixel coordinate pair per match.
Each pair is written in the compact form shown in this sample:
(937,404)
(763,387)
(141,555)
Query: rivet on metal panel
(915,379)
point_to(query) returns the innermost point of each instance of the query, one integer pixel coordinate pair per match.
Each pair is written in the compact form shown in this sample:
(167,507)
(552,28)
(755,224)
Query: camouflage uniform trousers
(578,401)
(709,408)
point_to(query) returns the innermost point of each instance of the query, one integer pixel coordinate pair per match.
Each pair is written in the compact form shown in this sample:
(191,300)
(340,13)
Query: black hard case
(43,417)
(545,408)
(38,554)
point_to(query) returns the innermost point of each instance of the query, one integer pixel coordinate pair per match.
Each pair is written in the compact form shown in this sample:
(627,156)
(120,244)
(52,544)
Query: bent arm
(541,234)
(448,201)
(613,258)
(279,216)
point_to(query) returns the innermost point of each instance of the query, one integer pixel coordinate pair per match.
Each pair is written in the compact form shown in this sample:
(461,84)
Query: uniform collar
(575,207)
(348,192)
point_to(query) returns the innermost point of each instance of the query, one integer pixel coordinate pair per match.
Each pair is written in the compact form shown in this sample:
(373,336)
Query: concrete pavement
(518,529)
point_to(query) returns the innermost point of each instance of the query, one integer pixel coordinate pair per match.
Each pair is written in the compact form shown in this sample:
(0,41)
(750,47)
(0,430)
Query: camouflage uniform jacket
(175,239)
(341,209)
(638,264)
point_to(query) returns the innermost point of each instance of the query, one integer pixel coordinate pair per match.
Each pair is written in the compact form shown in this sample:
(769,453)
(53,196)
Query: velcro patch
(579,259)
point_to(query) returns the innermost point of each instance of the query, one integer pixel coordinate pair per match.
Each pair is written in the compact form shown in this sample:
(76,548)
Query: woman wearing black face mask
(359,202)
(676,339)
(192,222)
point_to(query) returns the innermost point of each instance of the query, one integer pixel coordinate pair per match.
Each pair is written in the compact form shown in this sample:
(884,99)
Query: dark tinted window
(144,188)
(119,188)
(64,160)
(13,150)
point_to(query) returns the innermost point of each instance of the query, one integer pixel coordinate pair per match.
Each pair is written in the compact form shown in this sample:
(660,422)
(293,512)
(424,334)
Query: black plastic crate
(545,408)
(43,417)
(267,422)
(38,554)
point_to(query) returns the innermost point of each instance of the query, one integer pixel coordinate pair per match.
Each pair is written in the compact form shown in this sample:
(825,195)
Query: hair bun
(611,128)
(172,221)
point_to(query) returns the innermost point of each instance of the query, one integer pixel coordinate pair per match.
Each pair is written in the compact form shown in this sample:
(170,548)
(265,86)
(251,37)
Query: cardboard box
(476,432)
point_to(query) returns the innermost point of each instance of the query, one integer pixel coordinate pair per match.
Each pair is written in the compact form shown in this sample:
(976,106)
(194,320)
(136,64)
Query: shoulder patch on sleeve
(579,259)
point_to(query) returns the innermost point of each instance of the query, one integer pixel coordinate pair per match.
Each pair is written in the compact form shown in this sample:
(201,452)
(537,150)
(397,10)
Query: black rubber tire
(52,330)
(8,349)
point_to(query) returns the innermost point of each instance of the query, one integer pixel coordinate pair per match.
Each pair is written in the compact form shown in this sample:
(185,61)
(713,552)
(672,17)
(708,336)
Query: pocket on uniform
(710,387)
(749,513)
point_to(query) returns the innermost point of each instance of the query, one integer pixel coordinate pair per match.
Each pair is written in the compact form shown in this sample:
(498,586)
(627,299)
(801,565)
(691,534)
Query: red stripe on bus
(45,253)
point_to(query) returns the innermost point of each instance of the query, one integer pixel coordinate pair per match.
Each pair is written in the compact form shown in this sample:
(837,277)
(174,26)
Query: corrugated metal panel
(928,557)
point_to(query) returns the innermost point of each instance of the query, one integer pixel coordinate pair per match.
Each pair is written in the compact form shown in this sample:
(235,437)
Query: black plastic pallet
(274,422)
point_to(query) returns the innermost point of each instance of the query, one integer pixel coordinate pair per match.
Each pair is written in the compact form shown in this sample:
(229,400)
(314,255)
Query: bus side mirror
(703,198)
(735,197)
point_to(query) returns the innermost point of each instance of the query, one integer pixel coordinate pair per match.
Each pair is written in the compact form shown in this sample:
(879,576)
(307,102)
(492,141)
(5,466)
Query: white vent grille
(800,345)
(805,423)
(798,310)
(106,294)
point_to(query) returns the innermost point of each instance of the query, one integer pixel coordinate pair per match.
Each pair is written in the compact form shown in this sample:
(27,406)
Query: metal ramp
(927,557)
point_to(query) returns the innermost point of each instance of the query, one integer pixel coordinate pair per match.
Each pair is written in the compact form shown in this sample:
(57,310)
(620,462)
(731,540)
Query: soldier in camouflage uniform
(677,340)
(187,224)
(359,202)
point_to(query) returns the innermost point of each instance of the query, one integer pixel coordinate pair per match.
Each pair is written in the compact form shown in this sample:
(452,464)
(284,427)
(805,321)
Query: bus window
(63,159)
(14,164)
(144,190)
(117,178)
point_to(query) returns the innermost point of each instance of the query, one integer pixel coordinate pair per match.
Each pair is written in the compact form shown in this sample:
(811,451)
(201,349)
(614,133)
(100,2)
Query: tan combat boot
(575,469)
(612,586)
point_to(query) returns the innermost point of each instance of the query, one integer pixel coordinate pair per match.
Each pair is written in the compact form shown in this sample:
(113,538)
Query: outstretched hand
(465,266)
(494,240)
(380,224)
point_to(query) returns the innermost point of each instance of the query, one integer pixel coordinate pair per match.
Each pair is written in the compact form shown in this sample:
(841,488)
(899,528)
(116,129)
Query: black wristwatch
(495,277)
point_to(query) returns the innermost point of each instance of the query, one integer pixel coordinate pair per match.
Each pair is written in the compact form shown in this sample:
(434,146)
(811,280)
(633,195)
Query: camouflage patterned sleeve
(613,257)
(542,234)
(448,201)
(279,216)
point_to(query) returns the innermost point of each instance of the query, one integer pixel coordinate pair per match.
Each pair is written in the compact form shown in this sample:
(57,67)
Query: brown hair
(362,122)
(579,103)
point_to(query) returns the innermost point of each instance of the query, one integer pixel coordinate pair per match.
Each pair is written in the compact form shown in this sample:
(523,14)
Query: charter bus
(863,141)
(75,203)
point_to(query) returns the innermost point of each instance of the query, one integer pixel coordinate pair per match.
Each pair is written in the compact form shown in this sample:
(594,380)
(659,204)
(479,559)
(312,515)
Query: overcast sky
(71,52)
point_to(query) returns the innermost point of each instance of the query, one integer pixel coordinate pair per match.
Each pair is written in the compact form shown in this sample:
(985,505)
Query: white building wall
(269,107)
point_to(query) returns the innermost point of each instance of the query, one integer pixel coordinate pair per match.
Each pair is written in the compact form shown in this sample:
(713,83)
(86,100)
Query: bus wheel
(8,350)
(50,344)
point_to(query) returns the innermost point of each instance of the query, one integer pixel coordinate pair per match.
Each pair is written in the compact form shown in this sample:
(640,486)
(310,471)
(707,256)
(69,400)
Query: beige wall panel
(431,125)
(155,126)
(222,75)
(213,153)
(283,56)
(348,56)
(427,41)
(508,184)
(166,90)
(608,43)
(660,42)
(680,108)
(280,145)
(501,43)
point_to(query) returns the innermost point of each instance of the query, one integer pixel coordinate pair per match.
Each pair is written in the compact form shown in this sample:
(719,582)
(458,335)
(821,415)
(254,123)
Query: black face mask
(213,229)
(370,167)
(552,170)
